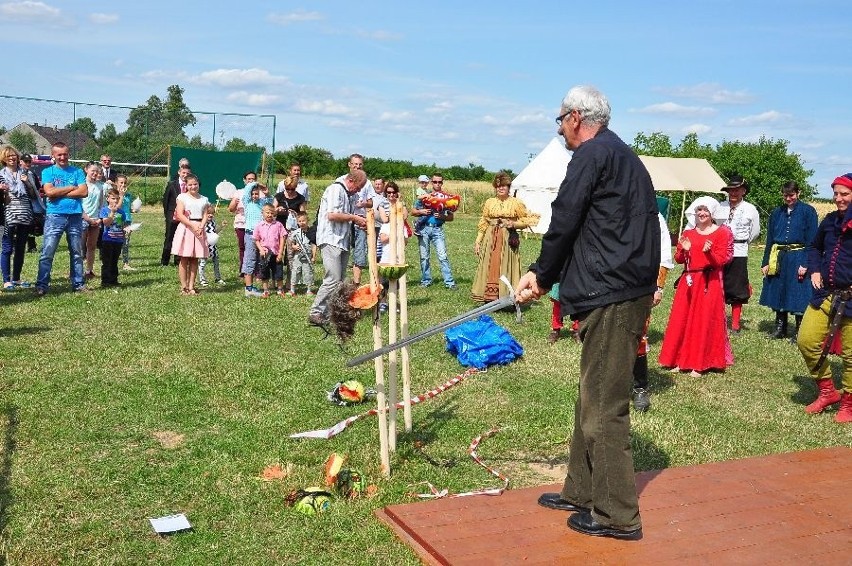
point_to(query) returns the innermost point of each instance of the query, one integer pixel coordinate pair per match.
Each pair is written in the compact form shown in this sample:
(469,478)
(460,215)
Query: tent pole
(682,209)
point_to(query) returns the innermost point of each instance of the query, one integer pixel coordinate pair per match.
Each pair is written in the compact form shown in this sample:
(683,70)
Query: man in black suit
(174,187)
(109,172)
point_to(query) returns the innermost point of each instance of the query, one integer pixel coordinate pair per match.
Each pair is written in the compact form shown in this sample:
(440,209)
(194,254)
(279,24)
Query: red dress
(696,336)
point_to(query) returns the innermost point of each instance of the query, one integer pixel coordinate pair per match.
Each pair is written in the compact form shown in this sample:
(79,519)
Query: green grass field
(137,402)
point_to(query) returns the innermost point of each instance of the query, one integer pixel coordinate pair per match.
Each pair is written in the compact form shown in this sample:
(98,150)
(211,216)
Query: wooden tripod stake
(381,401)
(399,230)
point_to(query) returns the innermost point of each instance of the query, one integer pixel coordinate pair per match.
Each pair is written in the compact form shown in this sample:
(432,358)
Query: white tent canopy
(536,186)
(539,182)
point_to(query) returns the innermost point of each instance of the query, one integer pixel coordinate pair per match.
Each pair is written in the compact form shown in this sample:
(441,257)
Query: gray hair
(184,163)
(590,103)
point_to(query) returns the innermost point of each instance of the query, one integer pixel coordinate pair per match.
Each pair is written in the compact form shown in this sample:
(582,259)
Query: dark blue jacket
(603,243)
(836,269)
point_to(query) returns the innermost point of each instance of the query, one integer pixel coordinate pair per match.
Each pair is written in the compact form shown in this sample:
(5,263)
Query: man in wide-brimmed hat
(743,220)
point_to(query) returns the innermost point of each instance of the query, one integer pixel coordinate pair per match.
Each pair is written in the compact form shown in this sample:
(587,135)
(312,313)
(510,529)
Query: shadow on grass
(414,445)
(22,331)
(647,455)
(660,380)
(10,417)
(808,392)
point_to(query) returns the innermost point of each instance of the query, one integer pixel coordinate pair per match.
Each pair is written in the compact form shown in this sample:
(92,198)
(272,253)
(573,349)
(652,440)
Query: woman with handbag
(786,289)
(498,242)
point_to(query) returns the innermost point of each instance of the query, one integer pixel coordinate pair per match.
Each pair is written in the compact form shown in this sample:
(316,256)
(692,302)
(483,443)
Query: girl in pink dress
(696,337)
(190,241)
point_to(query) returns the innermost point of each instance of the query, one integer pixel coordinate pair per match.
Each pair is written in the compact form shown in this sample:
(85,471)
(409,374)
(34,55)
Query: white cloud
(769,117)
(297,16)
(402,116)
(699,129)
(674,108)
(252,98)
(101,19)
(710,92)
(328,107)
(439,108)
(234,78)
(29,11)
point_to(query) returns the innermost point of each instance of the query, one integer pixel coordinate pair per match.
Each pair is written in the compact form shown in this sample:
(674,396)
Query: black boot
(794,338)
(780,325)
(641,392)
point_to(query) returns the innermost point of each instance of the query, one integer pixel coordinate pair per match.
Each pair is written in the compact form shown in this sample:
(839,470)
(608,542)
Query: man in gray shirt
(334,231)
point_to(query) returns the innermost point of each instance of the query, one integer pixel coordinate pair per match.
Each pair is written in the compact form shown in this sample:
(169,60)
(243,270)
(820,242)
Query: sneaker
(220,282)
(203,283)
(90,275)
(8,286)
(425,284)
(251,292)
(84,290)
(451,287)
(22,284)
(641,399)
(128,267)
(40,292)
(383,308)
(308,293)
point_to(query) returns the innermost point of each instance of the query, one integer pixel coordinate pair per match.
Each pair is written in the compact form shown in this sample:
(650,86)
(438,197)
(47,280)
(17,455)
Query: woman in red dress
(696,337)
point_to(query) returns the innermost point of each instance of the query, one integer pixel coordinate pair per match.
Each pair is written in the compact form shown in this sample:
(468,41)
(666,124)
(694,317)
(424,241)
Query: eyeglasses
(437,182)
(562,117)
(391,192)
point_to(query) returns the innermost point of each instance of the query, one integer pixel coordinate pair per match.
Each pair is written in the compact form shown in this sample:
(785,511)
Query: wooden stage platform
(784,508)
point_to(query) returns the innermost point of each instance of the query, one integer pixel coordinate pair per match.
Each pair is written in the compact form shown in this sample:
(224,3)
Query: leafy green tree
(239,144)
(107,136)
(198,143)
(24,142)
(84,125)
(766,165)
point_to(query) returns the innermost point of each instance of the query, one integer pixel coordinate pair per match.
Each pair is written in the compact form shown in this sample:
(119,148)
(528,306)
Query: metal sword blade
(495,305)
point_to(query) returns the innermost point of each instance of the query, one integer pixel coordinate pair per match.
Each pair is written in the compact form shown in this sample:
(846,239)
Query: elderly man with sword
(603,247)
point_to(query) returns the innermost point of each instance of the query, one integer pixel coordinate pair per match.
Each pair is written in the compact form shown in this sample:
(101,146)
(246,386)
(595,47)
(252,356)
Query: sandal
(192,291)
(184,291)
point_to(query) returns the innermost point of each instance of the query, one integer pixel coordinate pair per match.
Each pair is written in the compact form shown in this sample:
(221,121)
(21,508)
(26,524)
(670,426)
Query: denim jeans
(600,460)
(14,249)
(54,226)
(434,235)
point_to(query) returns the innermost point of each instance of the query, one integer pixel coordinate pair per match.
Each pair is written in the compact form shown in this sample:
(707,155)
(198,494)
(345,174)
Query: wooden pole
(392,358)
(379,365)
(403,316)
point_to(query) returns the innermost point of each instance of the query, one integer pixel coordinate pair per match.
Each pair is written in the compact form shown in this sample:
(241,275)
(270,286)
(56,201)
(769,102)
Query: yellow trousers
(812,335)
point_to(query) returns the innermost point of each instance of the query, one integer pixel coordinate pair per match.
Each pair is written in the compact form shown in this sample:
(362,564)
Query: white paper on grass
(170,524)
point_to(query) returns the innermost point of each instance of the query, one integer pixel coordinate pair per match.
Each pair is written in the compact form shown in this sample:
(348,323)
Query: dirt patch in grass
(555,471)
(169,439)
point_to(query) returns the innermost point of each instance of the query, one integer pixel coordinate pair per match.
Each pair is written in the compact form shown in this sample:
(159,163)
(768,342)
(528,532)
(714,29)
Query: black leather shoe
(555,501)
(585,524)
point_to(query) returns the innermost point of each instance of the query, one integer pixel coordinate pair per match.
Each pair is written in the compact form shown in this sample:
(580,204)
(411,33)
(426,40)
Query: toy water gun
(438,201)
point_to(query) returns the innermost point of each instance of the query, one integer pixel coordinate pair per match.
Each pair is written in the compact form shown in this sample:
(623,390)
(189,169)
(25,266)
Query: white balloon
(136,205)
(212,238)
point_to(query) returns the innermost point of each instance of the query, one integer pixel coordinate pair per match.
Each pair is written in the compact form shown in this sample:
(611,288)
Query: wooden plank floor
(784,508)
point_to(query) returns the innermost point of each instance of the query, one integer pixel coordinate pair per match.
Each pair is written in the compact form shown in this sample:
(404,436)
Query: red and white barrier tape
(474,444)
(342,425)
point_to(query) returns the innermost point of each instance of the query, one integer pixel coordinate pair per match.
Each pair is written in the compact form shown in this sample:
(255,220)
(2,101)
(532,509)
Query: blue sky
(459,82)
